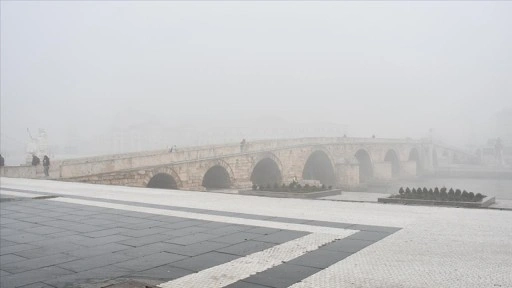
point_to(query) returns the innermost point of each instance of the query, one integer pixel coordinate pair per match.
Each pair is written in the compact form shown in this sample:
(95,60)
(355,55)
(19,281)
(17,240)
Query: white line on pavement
(238,269)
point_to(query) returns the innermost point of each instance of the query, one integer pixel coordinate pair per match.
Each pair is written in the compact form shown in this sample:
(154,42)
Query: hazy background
(109,77)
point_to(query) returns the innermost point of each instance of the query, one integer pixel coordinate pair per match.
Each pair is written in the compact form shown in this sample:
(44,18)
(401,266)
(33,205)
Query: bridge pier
(408,169)
(347,174)
(382,170)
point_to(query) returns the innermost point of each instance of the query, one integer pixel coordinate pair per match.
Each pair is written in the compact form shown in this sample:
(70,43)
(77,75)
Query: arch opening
(365,166)
(217,177)
(319,167)
(162,181)
(414,155)
(392,157)
(266,172)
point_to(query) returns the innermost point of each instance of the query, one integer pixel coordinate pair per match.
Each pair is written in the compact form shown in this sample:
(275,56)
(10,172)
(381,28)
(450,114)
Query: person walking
(35,160)
(46,165)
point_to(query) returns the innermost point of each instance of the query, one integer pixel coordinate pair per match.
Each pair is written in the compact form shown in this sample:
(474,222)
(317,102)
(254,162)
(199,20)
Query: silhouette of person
(35,160)
(46,165)
(2,161)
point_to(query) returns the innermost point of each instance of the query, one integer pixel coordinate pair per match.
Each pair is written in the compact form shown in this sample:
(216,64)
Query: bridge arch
(218,176)
(319,167)
(165,178)
(365,165)
(414,155)
(266,170)
(392,157)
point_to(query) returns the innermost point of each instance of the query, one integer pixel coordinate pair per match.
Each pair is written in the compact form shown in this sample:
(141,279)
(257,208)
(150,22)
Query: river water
(500,188)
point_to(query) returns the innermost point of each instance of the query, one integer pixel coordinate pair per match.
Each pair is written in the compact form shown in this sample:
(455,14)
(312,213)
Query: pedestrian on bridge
(242,145)
(46,165)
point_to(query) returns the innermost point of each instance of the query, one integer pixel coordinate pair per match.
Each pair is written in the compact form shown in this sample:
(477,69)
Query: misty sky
(394,69)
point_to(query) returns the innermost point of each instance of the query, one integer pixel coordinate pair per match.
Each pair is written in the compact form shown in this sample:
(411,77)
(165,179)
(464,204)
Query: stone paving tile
(89,263)
(263,230)
(69,237)
(236,237)
(183,224)
(288,220)
(143,232)
(31,264)
(186,231)
(192,238)
(196,248)
(43,230)
(329,224)
(233,228)
(29,277)
(369,236)
(242,284)
(23,225)
(282,276)
(374,228)
(162,273)
(93,278)
(3,273)
(141,241)
(100,222)
(37,285)
(320,258)
(347,245)
(22,238)
(281,236)
(6,243)
(204,261)
(150,261)
(246,248)
(105,232)
(9,258)
(98,250)
(49,250)
(213,225)
(39,219)
(16,248)
(92,242)
(147,249)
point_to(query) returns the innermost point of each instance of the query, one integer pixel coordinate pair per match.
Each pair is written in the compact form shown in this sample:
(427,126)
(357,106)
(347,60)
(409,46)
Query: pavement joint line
(241,268)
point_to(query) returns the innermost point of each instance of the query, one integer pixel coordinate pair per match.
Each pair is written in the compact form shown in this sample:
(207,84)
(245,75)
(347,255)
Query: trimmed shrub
(464,196)
(458,194)
(437,194)
(451,195)
(471,196)
(401,191)
(479,197)
(254,187)
(443,195)
(330,187)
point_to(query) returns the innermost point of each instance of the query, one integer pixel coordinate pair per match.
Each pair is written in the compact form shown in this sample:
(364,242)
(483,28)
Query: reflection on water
(500,188)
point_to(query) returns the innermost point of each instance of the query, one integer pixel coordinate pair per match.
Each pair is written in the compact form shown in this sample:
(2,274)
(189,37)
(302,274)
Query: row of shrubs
(292,187)
(439,194)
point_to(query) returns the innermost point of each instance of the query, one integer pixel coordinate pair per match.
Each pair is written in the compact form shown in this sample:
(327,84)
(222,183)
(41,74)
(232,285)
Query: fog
(211,72)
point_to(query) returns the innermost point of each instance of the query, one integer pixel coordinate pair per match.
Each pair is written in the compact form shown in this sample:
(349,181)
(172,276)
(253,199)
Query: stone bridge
(340,162)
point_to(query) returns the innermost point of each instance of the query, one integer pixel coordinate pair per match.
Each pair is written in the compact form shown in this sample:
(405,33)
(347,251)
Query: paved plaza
(60,234)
